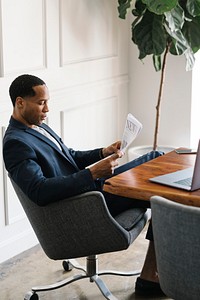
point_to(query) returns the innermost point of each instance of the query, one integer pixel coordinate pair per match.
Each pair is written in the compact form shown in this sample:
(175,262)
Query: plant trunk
(162,77)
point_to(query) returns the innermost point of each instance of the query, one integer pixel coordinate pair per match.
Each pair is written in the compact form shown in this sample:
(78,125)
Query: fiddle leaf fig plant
(161,27)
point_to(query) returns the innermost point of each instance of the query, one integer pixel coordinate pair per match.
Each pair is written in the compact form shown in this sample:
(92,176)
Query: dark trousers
(117,204)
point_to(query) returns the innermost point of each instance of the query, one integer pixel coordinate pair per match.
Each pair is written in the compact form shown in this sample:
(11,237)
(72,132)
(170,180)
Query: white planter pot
(137,151)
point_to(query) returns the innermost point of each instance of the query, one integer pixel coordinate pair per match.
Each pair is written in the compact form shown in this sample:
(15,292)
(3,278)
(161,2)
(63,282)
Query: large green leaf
(175,21)
(139,9)
(160,6)
(182,46)
(193,7)
(149,35)
(191,31)
(157,62)
(175,18)
(123,7)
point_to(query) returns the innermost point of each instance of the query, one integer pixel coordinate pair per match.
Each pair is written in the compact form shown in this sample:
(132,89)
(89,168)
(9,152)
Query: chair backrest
(177,245)
(78,226)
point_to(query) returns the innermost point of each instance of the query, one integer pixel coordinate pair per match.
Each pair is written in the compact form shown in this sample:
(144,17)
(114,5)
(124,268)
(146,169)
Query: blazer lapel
(65,151)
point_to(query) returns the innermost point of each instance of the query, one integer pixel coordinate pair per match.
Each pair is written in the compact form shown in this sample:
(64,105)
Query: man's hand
(114,148)
(105,167)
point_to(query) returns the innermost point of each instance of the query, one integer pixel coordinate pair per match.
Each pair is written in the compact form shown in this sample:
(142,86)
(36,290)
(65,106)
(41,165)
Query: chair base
(91,272)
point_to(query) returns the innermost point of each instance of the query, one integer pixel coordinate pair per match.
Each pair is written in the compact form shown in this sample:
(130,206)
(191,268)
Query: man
(47,171)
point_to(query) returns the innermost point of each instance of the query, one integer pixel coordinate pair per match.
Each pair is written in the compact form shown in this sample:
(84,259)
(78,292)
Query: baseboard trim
(17,244)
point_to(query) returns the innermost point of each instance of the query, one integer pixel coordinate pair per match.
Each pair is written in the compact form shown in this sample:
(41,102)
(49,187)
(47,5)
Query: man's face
(33,110)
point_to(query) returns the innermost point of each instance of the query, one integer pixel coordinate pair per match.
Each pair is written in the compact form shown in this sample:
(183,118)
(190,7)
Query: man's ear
(19,102)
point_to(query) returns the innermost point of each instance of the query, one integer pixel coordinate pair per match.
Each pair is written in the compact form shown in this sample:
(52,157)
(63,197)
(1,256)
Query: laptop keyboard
(186,181)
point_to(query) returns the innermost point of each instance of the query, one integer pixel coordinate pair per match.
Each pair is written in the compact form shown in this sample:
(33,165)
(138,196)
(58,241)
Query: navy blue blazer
(43,171)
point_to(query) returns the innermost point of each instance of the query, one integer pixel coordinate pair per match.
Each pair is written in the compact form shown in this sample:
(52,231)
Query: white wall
(195,105)
(81,50)
(175,119)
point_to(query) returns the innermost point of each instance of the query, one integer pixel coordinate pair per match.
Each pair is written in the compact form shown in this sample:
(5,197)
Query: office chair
(177,246)
(81,226)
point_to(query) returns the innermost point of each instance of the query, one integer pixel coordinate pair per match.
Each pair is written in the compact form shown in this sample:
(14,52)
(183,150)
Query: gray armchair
(177,244)
(81,226)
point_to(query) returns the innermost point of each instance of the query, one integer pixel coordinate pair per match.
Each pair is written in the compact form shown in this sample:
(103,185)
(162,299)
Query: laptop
(186,179)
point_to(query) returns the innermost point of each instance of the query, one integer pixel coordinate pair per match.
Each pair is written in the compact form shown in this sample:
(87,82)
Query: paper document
(131,130)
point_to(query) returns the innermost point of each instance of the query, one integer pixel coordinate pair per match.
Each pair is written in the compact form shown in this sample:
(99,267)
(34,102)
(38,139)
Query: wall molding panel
(13,211)
(23,38)
(1,43)
(87,34)
(100,118)
(13,208)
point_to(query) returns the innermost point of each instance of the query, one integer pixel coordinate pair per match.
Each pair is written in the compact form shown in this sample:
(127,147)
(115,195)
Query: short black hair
(23,85)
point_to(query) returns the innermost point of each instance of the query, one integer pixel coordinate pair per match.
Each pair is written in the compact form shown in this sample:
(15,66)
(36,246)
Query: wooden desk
(135,182)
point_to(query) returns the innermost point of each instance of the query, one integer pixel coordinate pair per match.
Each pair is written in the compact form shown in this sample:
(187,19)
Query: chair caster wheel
(67,266)
(31,296)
